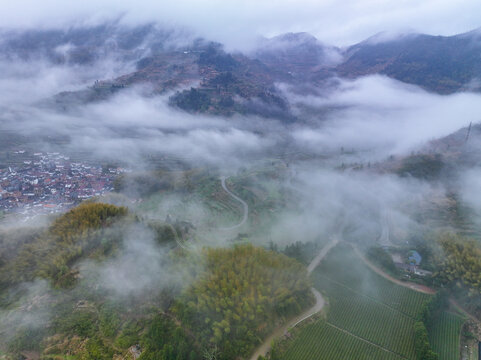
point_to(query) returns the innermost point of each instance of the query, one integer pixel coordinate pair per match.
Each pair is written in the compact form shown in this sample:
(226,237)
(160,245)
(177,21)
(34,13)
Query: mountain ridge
(208,79)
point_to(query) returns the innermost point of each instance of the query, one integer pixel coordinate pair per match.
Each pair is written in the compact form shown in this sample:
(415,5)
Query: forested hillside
(235,298)
(80,231)
(462,261)
(241,295)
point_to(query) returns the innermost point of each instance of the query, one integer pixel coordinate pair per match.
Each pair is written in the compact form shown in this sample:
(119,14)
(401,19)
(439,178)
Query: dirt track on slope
(264,348)
(245,207)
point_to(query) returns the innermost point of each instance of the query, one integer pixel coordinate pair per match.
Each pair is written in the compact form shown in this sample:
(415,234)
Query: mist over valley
(180,189)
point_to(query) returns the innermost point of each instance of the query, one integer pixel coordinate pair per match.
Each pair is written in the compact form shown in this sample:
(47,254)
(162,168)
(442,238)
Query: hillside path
(245,207)
(316,261)
(264,348)
(416,287)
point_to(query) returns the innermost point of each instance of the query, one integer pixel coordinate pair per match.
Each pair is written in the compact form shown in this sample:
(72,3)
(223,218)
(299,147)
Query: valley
(172,192)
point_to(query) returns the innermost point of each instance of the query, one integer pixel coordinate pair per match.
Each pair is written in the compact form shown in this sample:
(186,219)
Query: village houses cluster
(50,182)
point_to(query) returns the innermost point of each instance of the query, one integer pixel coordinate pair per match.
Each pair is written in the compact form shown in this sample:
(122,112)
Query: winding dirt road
(385,240)
(244,206)
(412,286)
(316,261)
(264,348)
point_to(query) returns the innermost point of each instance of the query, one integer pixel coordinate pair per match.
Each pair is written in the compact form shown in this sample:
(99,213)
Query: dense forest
(459,270)
(65,311)
(462,261)
(224,302)
(241,295)
(49,254)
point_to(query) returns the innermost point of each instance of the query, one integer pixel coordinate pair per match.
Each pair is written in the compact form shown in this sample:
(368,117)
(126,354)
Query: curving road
(244,206)
(264,348)
(315,262)
(413,286)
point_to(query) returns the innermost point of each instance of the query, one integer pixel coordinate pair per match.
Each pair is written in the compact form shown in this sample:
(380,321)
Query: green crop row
(444,335)
(321,341)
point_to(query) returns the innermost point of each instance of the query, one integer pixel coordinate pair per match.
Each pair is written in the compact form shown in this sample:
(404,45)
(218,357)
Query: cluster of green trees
(83,219)
(82,320)
(421,343)
(243,292)
(49,255)
(382,258)
(427,167)
(94,332)
(431,309)
(192,100)
(164,340)
(91,230)
(461,261)
(302,251)
(12,240)
(87,325)
(95,349)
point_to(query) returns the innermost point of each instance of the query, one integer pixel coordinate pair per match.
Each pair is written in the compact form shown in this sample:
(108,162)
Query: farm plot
(343,267)
(444,335)
(321,341)
(372,321)
(206,205)
(369,317)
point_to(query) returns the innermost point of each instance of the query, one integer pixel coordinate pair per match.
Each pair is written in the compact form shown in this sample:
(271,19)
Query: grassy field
(444,335)
(369,317)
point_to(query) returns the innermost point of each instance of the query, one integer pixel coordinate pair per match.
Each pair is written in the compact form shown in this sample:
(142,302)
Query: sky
(238,23)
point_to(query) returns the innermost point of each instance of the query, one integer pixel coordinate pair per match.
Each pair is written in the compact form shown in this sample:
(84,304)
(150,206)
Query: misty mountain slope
(451,163)
(298,55)
(81,45)
(220,83)
(461,147)
(173,174)
(441,159)
(437,63)
(208,79)
(233,83)
(163,72)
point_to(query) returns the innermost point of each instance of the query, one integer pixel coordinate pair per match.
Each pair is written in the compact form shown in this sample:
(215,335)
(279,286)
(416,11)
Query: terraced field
(369,317)
(443,337)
